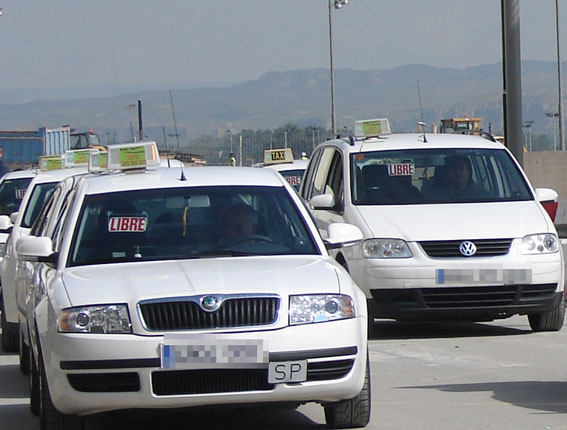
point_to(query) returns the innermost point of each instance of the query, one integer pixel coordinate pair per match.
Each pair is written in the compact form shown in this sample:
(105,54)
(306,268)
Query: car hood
(132,282)
(456,221)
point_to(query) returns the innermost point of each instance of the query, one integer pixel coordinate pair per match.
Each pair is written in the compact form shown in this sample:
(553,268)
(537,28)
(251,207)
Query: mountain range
(300,97)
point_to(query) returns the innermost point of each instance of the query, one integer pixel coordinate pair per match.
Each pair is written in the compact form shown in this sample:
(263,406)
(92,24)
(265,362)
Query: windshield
(293,177)
(197,222)
(420,176)
(12,191)
(39,195)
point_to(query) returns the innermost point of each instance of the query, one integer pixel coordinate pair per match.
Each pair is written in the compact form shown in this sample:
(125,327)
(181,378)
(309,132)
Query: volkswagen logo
(467,248)
(210,303)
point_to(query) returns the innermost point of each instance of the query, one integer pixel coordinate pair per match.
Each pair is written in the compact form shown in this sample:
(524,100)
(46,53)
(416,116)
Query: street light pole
(337,4)
(560,105)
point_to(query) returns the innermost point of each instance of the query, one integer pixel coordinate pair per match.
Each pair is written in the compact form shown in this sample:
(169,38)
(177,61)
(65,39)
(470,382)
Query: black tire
(50,418)
(549,321)
(24,353)
(352,413)
(9,335)
(35,396)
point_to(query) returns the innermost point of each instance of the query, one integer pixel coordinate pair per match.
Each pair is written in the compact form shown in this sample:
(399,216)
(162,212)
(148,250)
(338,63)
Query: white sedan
(184,287)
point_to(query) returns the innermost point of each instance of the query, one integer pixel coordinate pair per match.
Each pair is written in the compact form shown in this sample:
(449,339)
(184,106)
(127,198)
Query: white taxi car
(193,286)
(452,227)
(281,160)
(51,171)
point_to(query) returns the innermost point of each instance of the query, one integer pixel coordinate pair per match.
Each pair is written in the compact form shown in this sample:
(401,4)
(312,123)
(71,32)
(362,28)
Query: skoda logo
(467,248)
(210,303)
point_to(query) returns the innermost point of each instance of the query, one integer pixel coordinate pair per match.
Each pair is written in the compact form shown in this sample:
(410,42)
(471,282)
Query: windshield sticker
(293,180)
(128,224)
(359,157)
(401,169)
(20,193)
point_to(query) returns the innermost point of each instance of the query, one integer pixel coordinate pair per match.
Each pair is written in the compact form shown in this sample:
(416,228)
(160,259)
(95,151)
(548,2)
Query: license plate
(287,371)
(201,353)
(484,276)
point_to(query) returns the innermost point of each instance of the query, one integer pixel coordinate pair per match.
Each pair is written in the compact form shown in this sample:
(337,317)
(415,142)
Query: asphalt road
(434,376)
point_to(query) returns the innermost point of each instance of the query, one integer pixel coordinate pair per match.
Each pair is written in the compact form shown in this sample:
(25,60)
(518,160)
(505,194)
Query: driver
(240,221)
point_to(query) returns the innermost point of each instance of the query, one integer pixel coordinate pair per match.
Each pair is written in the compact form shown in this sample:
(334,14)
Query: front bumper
(91,373)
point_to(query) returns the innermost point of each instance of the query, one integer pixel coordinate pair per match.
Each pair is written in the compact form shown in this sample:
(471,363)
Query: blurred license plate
(287,371)
(200,353)
(483,276)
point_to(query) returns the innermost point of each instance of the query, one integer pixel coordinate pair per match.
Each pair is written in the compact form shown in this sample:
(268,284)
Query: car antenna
(421,123)
(165,142)
(182,178)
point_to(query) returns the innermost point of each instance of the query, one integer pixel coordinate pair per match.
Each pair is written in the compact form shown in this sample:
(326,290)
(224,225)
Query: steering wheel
(249,238)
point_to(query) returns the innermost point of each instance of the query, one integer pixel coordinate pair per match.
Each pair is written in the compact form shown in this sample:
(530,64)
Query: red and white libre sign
(401,169)
(128,224)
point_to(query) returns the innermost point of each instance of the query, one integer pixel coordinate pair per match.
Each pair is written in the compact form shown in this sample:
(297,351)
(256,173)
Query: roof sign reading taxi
(50,162)
(277,156)
(128,156)
(372,127)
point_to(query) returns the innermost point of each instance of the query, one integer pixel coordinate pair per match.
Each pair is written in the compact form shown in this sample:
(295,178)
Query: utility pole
(512,68)
(560,104)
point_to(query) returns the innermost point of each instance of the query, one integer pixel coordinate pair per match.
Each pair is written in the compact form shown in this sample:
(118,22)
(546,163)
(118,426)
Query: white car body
(48,180)
(75,362)
(437,286)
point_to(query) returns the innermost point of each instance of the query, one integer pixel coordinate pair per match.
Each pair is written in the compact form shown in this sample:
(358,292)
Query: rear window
(436,176)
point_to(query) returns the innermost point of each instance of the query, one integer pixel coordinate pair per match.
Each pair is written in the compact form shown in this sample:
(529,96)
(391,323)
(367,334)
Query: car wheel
(549,321)
(9,336)
(24,353)
(49,417)
(352,413)
(33,379)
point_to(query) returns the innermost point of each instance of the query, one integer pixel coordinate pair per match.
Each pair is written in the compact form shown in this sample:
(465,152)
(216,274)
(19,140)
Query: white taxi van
(452,227)
(165,288)
(52,169)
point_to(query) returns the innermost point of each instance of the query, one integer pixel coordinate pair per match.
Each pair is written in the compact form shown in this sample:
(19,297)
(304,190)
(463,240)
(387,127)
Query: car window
(307,183)
(39,195)
(12,191)
(196,222)
(436,176)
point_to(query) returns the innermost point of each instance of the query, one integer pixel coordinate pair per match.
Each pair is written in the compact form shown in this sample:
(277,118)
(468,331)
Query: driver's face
(238,225)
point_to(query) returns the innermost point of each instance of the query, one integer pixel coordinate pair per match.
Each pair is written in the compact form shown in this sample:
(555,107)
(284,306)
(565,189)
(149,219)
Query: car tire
(49,417)
(549,321)
(352,413)
(24,353)
(35,396)
(9,336)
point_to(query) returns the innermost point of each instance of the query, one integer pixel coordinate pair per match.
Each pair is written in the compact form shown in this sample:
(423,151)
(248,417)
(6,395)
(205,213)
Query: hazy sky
(63,43)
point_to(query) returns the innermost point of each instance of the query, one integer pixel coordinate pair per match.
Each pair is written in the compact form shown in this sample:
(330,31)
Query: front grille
(206,381)
(188,315)
(104,382)
(327,370)
(450,248)
(485,297)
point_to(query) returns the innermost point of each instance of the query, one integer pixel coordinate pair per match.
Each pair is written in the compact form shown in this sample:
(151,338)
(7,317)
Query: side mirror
(33,248)
(340,234)
(322,201)
(549,199)
(5,224)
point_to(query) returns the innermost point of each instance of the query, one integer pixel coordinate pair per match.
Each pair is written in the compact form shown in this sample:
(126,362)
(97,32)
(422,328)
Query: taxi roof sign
(137,155)
(77,158)
(98,161)
(277,156)
(51,162)
(372,127)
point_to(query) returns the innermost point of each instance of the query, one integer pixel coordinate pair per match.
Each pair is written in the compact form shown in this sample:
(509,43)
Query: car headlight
(385,248)
(540,244)
(95,319)
(319,308)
